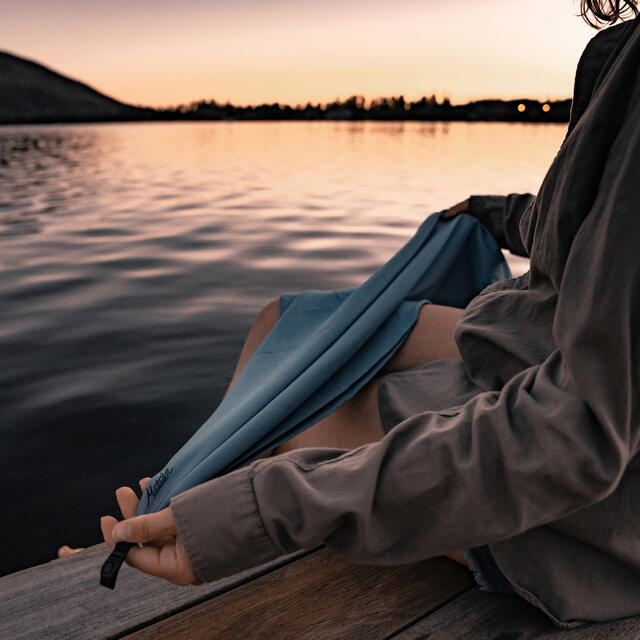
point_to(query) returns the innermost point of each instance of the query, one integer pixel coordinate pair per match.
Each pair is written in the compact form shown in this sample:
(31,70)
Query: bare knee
(431,339)
(268,316)
(264,322)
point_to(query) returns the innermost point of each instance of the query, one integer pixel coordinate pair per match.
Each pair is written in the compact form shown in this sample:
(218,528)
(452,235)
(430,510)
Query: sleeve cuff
(220,526)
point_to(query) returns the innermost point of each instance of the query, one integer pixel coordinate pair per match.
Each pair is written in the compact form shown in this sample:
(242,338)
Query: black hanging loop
(112,564)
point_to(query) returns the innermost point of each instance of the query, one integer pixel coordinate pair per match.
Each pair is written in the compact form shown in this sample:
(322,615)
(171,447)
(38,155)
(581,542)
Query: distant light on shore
(521,107)
(546,108)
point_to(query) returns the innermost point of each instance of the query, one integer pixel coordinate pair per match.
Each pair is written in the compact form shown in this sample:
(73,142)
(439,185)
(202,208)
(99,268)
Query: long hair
(600,13)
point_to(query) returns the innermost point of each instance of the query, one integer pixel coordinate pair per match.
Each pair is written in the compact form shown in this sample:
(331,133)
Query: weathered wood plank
(62,599)
(488,616)
(321,596)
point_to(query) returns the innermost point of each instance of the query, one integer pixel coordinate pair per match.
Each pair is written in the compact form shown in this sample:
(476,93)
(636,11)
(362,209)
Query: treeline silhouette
(383,108)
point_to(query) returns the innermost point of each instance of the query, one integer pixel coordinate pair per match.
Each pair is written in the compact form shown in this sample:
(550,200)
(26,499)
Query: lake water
(133,258)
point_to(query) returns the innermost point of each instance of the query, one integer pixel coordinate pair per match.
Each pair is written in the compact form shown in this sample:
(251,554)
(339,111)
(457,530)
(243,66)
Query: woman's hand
(461,207)
(160,551)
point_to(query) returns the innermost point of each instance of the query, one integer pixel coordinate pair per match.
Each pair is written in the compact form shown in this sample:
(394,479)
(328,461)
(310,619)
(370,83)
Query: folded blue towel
(324,349)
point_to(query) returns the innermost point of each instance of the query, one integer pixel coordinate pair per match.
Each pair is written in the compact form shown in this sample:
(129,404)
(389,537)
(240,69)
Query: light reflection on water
(133,257)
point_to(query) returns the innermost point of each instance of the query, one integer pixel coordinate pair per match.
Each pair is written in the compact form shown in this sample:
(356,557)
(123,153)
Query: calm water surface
(133,258)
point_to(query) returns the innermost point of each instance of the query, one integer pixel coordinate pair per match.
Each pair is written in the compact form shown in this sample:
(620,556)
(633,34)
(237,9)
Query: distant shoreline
(523,110)
(34,94)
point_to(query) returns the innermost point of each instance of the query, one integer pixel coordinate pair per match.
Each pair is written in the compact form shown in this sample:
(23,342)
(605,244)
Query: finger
(163,563)
(65,550)
(451,213)
(127,501)
(151,560)
(461,207)
(143,484)
(145,559)
(106,524)
(146,528)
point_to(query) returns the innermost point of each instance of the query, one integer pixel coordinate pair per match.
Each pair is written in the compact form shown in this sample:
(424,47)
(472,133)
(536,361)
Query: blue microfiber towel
(323,350)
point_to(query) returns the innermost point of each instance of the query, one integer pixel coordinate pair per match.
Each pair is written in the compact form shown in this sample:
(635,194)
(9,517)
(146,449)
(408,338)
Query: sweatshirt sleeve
(497,466)
(555,439)
(501,215)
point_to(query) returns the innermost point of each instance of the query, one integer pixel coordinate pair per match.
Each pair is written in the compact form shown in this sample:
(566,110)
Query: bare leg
(263,323)
(357,421)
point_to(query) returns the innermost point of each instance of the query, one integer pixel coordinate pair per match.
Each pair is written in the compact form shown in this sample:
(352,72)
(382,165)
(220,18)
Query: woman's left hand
(160,551)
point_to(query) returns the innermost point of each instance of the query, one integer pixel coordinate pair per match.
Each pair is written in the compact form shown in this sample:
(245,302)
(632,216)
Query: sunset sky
(161,53)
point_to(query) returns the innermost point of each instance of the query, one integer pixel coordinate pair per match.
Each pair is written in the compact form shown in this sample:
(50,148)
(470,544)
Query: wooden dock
(309,595)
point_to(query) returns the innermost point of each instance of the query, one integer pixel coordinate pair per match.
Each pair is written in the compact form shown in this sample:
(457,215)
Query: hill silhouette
(34,93)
